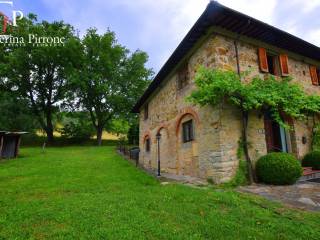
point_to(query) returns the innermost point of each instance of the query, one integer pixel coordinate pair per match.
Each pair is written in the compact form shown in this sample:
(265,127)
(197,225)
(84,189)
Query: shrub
(278,169)
(312,160)
(77,132)
(133,134)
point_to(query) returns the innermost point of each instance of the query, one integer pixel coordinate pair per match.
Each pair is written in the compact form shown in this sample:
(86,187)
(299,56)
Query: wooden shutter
(284,66)
(263,61)
(314,75)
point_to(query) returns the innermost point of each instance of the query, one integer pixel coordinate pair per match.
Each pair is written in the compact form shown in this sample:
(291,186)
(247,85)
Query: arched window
(187,131)
(187,124)
(147,145)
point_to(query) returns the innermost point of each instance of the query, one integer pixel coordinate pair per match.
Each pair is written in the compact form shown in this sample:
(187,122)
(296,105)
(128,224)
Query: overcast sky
(157,26)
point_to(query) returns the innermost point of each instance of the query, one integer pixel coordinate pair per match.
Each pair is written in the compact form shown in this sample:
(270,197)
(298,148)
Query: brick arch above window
(163,126)
(187,111)
(146,136)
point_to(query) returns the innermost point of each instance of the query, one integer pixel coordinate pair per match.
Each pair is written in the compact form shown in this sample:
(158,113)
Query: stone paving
(303,195)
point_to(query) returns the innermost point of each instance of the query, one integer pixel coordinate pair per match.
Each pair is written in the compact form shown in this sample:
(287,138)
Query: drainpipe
(158,140)
(237,50)
(237,55)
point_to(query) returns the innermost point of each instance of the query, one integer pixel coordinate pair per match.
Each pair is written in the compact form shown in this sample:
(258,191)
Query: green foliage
(275,95)
(109,79)
(79,132)
(38,72)
(214,86)
(133,133)
(241,177)
(93,193)
(119,126)
(127,129)
(312,160)
(278,169)
(123,141)
(34,140)
(16,114)
(316,138)
(278,96)
(76,126)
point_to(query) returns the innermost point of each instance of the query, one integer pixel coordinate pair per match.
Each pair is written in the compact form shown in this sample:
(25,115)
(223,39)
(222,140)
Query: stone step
(307,168)
(309,176)
(309,171)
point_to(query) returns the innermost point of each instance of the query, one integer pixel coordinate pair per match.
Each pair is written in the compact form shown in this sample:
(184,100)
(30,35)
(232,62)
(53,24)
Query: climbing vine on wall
(264,94)
(316,138)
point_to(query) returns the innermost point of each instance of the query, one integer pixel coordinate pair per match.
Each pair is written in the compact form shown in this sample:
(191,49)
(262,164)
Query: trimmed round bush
(312,160)
(278,169)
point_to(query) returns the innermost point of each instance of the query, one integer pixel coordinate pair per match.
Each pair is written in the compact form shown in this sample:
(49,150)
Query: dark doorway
(273,64)
(277,137)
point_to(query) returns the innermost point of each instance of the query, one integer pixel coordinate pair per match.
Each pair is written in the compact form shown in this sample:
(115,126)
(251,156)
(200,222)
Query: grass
(92,193)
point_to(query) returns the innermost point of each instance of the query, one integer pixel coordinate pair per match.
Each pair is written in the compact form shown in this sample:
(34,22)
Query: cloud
(153,26)
(314,37)
(306,6)
(157,27)
(259,9)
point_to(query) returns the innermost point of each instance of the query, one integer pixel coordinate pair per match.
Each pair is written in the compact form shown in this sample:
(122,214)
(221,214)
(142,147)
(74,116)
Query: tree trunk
(49,127)
(50,136)
(99,135)
(245,117)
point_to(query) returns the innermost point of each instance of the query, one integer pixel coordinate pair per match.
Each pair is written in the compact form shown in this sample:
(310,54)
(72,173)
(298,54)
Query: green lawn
(92,193)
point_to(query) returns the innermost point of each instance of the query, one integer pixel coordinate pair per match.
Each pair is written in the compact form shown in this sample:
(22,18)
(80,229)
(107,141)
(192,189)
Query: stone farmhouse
(203,141)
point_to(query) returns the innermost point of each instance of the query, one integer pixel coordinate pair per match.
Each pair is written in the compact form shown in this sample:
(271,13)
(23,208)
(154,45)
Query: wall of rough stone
(213,154)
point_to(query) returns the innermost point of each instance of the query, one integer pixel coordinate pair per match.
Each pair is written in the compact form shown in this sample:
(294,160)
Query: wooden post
(1,145)
(18,141)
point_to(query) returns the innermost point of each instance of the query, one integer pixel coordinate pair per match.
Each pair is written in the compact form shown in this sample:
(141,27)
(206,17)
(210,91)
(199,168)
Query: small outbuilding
(10,144)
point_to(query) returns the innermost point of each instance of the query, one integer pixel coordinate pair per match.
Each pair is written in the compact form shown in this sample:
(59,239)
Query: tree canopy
(109,79)
(38,73)
(94,74)
(16,113)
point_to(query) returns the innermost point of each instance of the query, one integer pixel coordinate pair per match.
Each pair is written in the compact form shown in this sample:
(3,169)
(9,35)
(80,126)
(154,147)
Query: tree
(271,94)
(37,72)
(133,132)
(16,114)
(118,126)
(109,80)
(75,126)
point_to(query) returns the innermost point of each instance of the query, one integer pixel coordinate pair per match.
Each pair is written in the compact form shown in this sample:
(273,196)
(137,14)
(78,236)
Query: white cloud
(260,9)
(314,37)
(306,6)
(163,23)
(160,25)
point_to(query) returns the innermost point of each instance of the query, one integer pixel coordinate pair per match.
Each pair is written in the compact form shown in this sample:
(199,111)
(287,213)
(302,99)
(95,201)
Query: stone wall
(213,153)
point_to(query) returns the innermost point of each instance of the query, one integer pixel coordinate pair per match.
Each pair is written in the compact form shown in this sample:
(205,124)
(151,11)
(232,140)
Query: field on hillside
(92,193)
